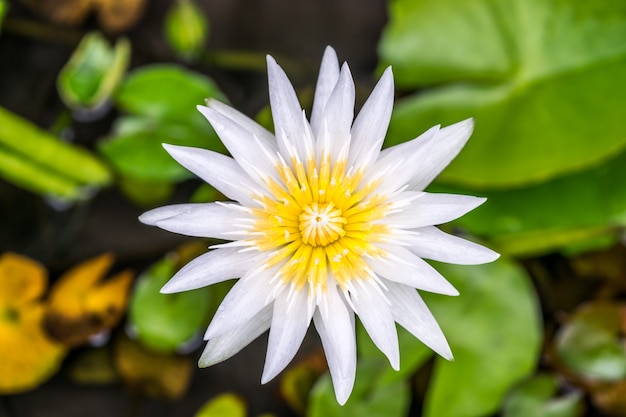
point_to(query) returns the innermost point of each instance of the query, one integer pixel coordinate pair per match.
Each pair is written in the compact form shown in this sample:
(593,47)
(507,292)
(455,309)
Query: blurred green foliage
(186,29)
(536,397)
(93,72)
(160,102)
(165,322)
(40,162)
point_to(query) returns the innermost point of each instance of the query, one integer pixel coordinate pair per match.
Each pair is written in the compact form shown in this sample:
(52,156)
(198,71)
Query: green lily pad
(494,330)
(541,77)
(552,215)
(161,101)
(165,322)
(168,93)
(536,397)
(590,345)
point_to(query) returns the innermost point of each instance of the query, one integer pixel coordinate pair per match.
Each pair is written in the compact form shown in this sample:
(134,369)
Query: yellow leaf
(81,305)
(21,279)
(28,356)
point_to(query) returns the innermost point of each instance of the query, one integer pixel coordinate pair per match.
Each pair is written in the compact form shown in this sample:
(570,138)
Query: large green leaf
(541,77)
(494,331)
(547,216)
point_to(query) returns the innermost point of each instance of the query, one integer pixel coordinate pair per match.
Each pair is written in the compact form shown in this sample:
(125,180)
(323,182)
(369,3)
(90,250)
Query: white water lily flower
(322,225)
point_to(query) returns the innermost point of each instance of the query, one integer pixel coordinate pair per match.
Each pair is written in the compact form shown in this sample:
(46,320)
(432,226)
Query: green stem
(41,31)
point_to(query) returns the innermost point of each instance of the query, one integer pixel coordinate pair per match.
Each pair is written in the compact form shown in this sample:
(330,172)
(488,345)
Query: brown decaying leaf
(113,15)
(151,373)
(28,356)
(81,305)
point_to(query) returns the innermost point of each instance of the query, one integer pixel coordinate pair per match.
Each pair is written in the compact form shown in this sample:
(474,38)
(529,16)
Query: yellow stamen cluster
(319,220)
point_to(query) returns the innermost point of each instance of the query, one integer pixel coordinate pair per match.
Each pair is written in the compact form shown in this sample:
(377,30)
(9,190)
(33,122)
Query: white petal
(256,157)
(210,268)
(151,217)
(244,121)
(286,112)
(326,80)
(220,348)
(219,221)
(396,166)
(221,171)
(336,329)
(247,297)
(430,209)
(370,126)
(447,146)
(290,322)
(432,243)
(373,309)
(400,265)
(334,136)
(411,312)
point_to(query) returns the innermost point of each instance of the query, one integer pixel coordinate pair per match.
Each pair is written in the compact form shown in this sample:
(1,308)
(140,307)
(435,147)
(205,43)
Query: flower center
(321,224)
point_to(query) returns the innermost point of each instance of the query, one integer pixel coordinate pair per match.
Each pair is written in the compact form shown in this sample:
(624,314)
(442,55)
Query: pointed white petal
(447,146)
(370,126)
(220,348)
(210,268)
(290,322)
(256,157)
(328,76)
(430,209)
(431,243)
(400,265)
(396,166)
(151,217)
(244,121)
(214,220)
(286,112)
(375,314)
(221,171)
(338,116)
(336,329)
(411,312)
(247,297)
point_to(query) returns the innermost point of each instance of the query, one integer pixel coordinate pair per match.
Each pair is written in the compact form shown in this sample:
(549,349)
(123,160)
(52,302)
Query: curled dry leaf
(151,373)
(81,305)
(113,15)
(28,355)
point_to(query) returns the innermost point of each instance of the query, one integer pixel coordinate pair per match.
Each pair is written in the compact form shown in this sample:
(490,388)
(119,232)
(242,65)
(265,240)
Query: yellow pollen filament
(321,224)
(319,220)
